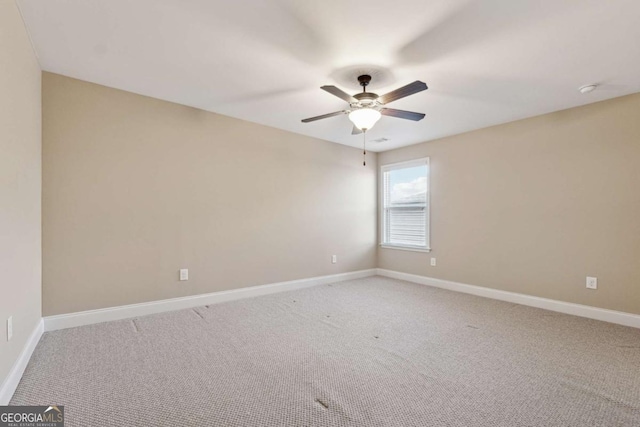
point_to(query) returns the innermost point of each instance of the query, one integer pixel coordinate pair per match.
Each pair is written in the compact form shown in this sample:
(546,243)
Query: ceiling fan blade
(356,131)
(324,116)
(402,114)
(407,90)
(339,93)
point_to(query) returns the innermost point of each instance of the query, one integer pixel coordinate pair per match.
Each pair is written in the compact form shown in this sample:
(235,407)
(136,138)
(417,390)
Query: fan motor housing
(366,97)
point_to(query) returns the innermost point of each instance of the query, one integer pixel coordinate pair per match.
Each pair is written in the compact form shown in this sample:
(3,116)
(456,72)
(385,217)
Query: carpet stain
(376,337)
(197,313)
(321,403)
(472,327)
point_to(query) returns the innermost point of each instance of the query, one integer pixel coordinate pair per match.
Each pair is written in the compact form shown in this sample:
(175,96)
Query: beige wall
(20,149)
(136,188)
(535,206)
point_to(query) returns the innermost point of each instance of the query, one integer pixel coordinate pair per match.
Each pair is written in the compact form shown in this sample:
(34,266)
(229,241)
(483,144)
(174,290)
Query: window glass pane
(408,185)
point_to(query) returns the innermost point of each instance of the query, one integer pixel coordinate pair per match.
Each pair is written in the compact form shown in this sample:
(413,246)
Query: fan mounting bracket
(364,80)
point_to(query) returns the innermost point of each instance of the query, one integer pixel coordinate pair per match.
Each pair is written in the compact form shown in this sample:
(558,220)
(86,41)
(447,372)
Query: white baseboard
(71,320)
(612,316)
(15,374)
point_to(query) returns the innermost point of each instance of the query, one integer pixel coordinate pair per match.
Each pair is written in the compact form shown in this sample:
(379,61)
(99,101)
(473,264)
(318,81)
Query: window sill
(405,248)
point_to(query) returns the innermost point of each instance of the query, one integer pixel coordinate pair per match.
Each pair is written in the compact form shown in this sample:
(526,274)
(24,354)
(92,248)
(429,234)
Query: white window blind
(405,200)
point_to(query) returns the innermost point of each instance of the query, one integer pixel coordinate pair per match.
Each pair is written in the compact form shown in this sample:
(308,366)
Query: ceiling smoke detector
(587,88)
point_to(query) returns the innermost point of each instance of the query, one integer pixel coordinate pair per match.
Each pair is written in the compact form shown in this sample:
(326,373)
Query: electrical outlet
(9,328)
(433,262)
(184,274)
(334,259)
(592,282)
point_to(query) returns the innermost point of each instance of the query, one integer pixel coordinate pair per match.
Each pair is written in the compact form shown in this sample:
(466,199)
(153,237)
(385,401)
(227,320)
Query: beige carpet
(369,352)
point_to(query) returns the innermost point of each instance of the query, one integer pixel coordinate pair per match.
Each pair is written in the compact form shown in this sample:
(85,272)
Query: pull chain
(364,147)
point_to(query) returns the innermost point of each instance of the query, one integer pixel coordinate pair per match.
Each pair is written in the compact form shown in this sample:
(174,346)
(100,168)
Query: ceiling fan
(366,108)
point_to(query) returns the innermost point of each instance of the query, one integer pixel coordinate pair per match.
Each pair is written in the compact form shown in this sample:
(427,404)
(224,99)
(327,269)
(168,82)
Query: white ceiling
(486,62)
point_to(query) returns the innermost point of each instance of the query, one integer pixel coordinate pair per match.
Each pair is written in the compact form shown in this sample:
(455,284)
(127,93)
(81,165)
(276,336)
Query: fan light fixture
(364,118)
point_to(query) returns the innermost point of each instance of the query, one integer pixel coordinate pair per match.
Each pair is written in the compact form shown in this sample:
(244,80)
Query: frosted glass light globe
(364,118)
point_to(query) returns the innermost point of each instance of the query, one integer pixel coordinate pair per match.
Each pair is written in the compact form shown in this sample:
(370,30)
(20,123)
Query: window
(405,205)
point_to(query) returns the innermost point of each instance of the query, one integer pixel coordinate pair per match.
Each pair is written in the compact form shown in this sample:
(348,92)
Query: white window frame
(403,165)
